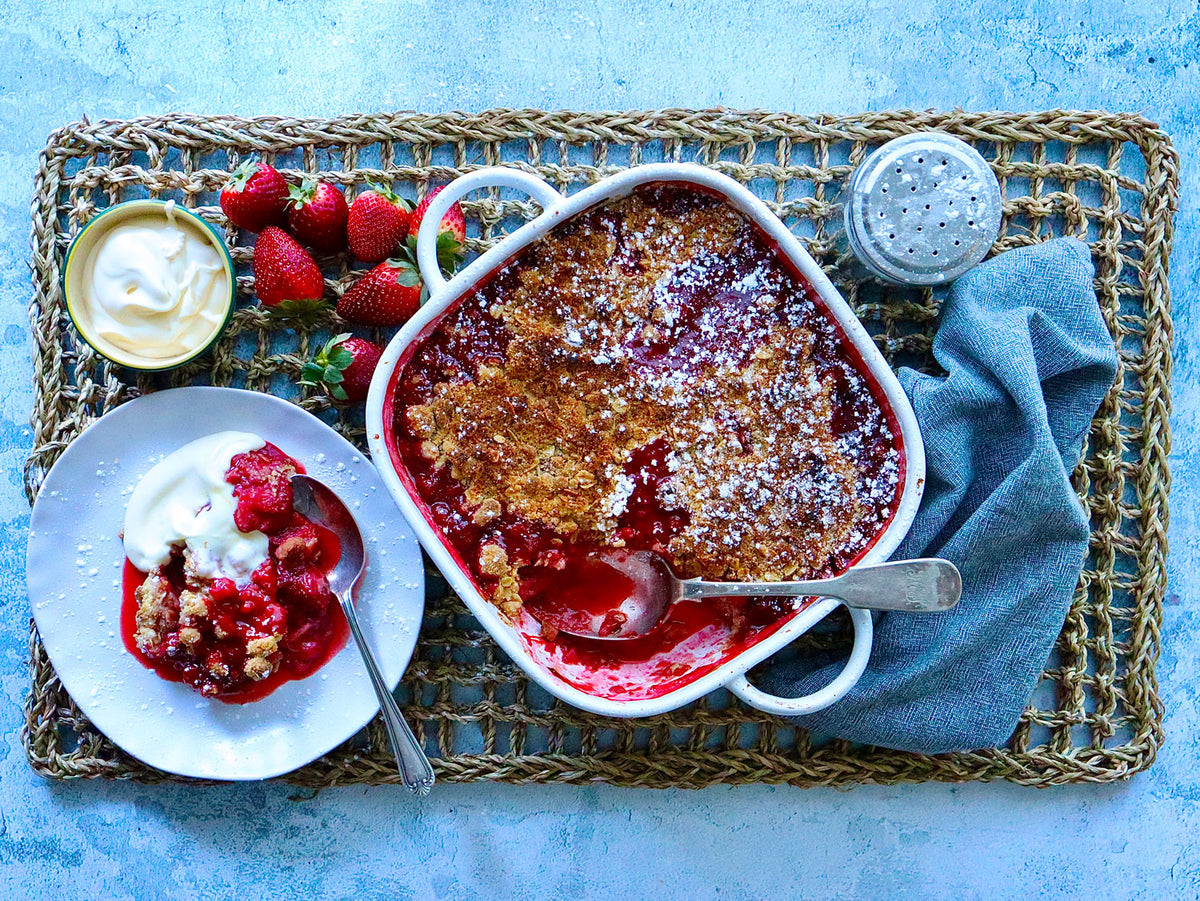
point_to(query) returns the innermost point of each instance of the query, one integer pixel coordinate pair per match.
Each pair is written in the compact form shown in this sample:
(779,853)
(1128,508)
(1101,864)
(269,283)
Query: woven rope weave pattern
(1110,179)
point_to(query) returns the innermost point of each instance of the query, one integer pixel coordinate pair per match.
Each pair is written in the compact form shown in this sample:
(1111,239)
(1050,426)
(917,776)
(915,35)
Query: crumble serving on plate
(229,592)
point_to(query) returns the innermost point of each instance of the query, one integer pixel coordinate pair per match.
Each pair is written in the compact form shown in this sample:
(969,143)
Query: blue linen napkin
(1028,361)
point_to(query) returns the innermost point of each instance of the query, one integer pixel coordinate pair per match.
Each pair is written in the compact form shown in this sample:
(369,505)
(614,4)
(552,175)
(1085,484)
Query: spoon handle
(415,768)
(916,586)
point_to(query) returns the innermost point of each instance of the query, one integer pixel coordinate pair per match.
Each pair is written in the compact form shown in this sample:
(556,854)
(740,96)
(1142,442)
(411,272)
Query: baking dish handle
(491,177)
(831,693)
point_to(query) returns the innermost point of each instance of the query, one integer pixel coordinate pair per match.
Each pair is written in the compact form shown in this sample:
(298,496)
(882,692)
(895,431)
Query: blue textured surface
(61,60)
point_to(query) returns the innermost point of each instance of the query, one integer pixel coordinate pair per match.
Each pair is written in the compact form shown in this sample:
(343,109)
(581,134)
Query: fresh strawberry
(317,216)
(255,196)
(386,296)
(285,275)
(377,224)
(451,233)
(343,367)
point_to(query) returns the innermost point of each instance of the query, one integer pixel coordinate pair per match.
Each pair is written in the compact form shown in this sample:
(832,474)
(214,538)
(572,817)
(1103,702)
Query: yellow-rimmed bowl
(76,270)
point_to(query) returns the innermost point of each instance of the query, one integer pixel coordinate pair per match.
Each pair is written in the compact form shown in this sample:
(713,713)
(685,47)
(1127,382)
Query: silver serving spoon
(914,586)
(319,503)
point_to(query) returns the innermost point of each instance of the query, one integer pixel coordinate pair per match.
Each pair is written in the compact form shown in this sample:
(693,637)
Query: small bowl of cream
(149,284)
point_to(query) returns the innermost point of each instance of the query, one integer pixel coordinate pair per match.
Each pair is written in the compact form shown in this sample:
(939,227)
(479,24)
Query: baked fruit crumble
(242,602)
(653,374)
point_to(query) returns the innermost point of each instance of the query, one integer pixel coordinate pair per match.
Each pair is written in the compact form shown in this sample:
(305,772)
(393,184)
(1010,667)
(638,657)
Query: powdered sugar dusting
(664,380)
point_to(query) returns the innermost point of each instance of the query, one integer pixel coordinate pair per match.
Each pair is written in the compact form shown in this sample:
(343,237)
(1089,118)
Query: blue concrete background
(61,60)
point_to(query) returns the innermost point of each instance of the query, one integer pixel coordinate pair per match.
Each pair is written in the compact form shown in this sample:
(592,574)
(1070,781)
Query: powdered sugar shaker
(921,210)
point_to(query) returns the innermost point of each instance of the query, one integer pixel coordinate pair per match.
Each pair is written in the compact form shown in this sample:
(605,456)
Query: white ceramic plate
(74,569)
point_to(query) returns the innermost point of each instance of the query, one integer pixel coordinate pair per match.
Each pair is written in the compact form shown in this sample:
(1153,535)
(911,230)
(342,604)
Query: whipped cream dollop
(153,286)
(184,501)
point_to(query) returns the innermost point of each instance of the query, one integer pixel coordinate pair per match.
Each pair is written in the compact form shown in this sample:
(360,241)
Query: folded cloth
(1028,361)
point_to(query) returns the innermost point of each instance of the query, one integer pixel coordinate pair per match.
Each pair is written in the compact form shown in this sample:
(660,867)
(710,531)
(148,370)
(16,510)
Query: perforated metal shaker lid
(922,209)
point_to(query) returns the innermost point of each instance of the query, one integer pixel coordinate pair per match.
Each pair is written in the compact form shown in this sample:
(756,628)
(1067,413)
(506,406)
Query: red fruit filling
(653,374)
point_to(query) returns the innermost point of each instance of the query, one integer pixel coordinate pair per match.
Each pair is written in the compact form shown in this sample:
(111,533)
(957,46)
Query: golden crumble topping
(661,330)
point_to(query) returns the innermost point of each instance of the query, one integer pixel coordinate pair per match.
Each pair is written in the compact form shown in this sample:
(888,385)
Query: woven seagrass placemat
(1110,179)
